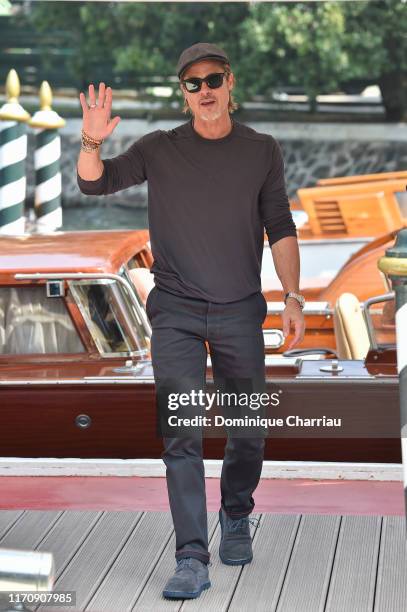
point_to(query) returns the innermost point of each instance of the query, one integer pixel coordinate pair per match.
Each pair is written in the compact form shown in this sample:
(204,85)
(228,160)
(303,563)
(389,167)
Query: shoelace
(185,562)
(242,524)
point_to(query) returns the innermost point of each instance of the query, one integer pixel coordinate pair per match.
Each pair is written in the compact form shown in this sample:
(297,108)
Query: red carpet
(134,493)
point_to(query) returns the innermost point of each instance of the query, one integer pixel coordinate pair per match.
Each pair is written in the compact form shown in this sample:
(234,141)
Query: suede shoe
(236,542)
(190,579)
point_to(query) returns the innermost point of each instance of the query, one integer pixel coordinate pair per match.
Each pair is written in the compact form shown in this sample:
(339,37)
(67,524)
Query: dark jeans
(180,327)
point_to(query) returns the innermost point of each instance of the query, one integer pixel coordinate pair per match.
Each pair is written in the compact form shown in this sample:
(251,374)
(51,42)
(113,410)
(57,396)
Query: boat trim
(135,379)
(45,466)
(310,308)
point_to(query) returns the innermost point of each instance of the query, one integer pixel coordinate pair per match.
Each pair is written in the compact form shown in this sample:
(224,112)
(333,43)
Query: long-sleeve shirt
(209,201)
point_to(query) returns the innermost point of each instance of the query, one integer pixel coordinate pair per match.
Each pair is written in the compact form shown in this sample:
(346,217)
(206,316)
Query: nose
(205,87)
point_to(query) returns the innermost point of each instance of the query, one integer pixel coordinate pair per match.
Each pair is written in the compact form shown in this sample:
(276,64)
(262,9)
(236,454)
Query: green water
(104,218)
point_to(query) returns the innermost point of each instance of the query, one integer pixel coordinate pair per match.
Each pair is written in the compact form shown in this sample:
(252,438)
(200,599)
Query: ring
(92,106)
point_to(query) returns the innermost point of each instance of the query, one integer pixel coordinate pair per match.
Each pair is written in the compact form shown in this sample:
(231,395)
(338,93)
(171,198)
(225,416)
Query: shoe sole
(186,594)
(235,561)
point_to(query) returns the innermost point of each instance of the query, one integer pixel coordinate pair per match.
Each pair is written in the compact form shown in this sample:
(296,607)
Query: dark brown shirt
(208,204)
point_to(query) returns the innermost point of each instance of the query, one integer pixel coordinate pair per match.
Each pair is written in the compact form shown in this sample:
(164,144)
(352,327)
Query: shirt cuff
(91,187)
(276,236)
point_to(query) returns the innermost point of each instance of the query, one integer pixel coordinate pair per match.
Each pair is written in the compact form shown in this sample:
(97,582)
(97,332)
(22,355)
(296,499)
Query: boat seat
(352,339)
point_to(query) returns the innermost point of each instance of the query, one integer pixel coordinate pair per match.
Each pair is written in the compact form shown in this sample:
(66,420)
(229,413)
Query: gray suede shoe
(190,579)
(236,542)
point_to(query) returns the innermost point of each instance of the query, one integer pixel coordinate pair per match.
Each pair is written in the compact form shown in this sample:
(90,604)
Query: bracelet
(89,139)
(89,149)
(88,143)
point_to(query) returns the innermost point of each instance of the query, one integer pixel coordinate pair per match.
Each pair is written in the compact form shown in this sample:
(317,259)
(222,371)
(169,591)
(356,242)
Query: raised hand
(96,116)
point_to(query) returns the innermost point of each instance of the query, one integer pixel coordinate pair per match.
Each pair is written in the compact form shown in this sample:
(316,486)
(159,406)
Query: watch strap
(297,296)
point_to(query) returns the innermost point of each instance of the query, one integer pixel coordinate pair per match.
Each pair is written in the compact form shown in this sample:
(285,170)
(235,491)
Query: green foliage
(313,47)
(295,44)
(5,7)
(376,37)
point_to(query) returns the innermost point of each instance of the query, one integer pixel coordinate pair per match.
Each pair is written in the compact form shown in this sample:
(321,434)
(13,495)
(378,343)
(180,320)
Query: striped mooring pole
(394,264)
(13,153)
(47,163)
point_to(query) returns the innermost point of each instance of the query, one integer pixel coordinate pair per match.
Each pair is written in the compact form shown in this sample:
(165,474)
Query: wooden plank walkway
(120,561)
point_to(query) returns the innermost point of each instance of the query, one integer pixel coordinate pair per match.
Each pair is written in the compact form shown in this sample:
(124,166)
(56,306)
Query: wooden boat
(76,379)
(353,206)
(345,225)
(359,275)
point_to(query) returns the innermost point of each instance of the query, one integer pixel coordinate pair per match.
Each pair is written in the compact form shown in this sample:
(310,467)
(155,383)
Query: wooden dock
(119,561)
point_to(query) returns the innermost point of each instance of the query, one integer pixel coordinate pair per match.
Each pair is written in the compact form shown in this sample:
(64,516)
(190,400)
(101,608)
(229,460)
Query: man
(214,185)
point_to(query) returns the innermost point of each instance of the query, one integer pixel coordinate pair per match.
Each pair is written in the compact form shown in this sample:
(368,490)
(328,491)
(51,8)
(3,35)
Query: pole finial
(12,109)
(46,118)
(12,86)
(45,96)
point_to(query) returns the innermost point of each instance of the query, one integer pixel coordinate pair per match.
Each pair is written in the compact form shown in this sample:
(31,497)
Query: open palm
(96,116)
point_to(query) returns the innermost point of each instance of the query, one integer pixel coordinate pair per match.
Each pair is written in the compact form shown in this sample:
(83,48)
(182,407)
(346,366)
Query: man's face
(219,97)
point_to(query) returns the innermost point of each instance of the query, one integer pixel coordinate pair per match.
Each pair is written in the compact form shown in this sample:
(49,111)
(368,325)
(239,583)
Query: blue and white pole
(394,264)
(13,153)
(47,164)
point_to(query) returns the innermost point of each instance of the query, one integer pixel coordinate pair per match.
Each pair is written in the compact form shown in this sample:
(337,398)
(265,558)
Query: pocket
(150,301)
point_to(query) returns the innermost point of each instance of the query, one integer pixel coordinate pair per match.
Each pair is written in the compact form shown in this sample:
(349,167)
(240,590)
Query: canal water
(104,218)
(118,217)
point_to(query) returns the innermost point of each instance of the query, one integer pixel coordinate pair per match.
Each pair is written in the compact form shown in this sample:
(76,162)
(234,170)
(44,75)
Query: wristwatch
(300,298)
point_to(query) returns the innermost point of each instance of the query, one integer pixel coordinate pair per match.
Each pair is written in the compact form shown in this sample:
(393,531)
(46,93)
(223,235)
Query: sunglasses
(213,81)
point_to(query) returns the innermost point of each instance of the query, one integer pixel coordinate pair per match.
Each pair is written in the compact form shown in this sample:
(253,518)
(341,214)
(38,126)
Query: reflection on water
(104,218)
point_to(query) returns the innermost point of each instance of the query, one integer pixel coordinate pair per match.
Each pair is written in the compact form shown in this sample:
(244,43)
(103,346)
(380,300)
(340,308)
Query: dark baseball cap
(197,52)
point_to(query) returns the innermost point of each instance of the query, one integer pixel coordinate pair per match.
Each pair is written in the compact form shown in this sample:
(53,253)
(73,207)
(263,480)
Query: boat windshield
(112,319)
(382,323)
(33,323)
(321,261)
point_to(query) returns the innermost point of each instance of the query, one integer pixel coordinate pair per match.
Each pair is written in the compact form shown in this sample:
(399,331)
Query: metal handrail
(386,297)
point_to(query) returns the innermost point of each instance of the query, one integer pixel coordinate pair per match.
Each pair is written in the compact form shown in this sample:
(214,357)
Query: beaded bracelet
(89,144)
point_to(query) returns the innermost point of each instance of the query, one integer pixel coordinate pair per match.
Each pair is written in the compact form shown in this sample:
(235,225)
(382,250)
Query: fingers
(104,98)
(101,98)
(108,100)
(112,124)
(297,334)
(286,326)
(92,97)
(82,100)
(299,327)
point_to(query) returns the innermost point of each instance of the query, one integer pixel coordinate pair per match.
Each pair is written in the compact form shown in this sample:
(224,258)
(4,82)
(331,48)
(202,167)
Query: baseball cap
(198,52)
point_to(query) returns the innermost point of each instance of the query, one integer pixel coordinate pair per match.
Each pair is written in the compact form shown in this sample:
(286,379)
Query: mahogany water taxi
(76,378)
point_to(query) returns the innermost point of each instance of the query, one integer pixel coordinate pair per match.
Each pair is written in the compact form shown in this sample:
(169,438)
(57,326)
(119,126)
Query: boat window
(383,323)
(321,261)
(116,326)
(142,259)
(401,197)
(32,323)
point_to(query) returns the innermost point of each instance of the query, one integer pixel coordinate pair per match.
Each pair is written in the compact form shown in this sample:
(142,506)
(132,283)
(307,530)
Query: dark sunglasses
(213,81)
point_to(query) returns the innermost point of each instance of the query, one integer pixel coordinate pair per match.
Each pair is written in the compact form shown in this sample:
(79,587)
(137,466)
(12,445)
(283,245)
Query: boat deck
(118,561)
